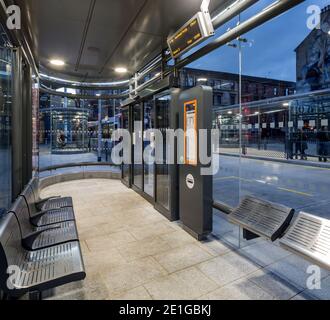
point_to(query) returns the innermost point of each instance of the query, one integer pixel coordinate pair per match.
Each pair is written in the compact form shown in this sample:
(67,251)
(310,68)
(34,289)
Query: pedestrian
(323,140)
(301,144)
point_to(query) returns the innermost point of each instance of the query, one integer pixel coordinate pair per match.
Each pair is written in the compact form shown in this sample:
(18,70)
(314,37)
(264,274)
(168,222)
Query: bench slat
(309,237)
(264,218)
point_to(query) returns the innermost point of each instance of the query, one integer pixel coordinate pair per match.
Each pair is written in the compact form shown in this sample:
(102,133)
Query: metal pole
(240,62)
(272,11)
(232,11)
(99,139)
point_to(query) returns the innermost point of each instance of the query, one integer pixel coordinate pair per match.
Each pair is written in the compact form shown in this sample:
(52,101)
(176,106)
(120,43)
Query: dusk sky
(271,51)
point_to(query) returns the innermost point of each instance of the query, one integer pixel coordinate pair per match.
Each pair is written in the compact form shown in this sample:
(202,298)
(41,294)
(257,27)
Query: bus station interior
(76,72)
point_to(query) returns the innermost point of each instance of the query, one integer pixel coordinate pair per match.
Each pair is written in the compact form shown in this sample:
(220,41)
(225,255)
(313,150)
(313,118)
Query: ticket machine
(194,108)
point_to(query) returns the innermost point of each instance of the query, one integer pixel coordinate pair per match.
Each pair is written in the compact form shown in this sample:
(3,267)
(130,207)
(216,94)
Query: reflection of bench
(263,218)
(309,237)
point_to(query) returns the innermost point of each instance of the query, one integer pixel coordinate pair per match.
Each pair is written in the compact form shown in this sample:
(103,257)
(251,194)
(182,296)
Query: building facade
(226,86)
(313,57)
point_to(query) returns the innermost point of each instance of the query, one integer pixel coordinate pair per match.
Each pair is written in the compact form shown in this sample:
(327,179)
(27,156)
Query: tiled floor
(132,252)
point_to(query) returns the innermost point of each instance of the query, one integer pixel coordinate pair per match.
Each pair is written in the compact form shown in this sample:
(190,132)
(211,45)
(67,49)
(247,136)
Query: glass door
(125,124)
(162,105)
(149,147)
(137,146)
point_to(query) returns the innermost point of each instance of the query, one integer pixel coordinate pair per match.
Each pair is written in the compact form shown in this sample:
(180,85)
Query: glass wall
(149,123)
(5,121)
(70,129)
(162,170)
(137,146)
(125,124)
(271,104)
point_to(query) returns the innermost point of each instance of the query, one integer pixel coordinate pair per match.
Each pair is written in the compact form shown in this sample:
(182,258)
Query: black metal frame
(129,183)
(151,199)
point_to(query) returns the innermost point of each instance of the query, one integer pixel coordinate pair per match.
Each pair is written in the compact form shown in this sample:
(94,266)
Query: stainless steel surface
(309,237)
(236,8)
(263,218)
(82,96)
(222,207)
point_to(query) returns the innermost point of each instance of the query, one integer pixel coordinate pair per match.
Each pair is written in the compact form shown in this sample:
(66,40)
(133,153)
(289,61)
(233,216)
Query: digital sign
(190,132)
(193,32)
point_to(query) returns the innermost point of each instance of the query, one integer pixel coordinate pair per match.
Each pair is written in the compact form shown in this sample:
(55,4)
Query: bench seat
(39,270)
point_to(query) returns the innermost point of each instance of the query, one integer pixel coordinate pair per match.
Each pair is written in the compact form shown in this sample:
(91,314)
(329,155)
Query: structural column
(17,121)
(99,139)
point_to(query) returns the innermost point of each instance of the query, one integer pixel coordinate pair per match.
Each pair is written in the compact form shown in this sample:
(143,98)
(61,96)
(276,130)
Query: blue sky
(271,50)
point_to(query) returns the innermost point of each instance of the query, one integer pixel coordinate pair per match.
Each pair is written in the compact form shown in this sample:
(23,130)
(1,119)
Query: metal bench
(35,238)
(263,218)
(44,218)
(50,203)
(309,237)
(36,271)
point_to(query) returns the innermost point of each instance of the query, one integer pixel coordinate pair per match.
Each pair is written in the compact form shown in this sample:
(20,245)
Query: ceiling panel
(121,32)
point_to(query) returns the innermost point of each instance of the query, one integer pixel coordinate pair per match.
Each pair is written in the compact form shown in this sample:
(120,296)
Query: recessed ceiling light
(202,79)
(286,104)
(121,70)
(98,94)
(57,62)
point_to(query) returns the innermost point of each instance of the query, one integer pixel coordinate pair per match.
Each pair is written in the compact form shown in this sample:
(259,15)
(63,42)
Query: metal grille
(309,236)
(56,216)
(57,203)
(61,233)
(49,264)
(263,218)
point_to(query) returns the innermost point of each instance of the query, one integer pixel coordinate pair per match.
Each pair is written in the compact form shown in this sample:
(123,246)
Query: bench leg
(35,296)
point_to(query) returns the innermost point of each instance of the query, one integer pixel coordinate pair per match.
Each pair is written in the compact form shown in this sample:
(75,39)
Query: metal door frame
(129,183)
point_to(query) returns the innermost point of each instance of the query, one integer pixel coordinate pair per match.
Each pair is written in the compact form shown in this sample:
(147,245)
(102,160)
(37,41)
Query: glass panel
(5,123)
(289,126)
(137,140)
(125,125)
(69,128)
(149,175)
(162,170)
(35,128)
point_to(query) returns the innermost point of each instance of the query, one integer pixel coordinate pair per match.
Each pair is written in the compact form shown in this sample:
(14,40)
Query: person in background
(323,139)
(301,144)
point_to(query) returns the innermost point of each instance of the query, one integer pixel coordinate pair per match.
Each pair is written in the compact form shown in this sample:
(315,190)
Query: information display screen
(190,132)
(193,32)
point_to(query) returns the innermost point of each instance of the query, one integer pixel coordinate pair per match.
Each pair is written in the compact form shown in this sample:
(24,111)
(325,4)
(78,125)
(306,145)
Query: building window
(217,99)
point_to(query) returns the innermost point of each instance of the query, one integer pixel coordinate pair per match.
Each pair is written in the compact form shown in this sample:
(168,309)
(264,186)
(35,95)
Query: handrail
(80,164)
(222,207)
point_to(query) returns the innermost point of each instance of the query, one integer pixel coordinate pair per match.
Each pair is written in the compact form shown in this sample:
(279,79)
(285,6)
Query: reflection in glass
(149,168)
(125,125)
(5,125)
(69,131)
(163,123)
(137,141)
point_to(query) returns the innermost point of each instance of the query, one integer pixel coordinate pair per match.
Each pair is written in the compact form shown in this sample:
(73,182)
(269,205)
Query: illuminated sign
(190,132)
(193,32)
